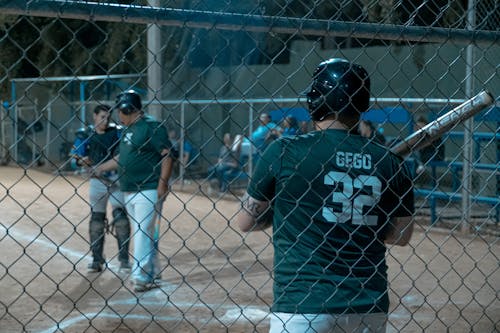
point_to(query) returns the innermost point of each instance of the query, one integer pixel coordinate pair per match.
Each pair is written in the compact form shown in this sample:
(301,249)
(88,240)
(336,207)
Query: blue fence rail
(403,117)
(432,195)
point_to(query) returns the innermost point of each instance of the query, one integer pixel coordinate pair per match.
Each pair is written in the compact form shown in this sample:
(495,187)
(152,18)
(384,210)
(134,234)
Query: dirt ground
(215,279)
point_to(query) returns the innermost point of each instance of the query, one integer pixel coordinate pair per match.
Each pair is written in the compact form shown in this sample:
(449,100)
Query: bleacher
(434,192)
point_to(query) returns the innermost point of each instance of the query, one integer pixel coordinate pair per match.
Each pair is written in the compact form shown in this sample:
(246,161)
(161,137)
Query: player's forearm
(109,165)
(83,161)
(185,160)
(254,215)
(80,161)
(166,169)
(400,231)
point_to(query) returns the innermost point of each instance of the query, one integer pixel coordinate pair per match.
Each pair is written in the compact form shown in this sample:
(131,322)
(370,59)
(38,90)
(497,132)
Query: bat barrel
(426,135)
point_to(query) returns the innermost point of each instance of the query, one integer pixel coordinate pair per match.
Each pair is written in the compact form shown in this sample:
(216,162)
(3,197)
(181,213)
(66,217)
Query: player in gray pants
(92,148)
(100,194)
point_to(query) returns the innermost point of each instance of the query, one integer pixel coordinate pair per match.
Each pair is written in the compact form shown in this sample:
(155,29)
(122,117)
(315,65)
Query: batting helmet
(338,86)
(128,102)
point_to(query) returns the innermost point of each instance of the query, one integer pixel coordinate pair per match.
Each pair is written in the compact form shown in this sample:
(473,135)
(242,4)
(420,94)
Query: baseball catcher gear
(122,231)
(338,86)
(80,147)
(96,231)
(128,102)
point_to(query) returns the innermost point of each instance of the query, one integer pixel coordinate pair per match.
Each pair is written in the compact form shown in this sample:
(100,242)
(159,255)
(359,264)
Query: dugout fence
(43,115)
(210,67)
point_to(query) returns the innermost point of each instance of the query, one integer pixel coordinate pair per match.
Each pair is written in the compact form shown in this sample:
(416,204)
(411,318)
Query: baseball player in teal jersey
(145,167)
(334,200)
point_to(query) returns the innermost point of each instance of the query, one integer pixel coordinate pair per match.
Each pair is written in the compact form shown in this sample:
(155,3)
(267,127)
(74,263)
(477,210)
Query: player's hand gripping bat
(435,129)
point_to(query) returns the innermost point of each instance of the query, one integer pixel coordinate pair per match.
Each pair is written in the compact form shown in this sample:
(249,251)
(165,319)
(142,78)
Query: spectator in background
(433,152)
(304,127)
(227,163)
(264,133)
(368,130)
(290,126)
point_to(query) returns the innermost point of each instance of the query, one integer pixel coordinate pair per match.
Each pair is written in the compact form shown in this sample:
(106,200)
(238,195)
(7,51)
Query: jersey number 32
(347,204)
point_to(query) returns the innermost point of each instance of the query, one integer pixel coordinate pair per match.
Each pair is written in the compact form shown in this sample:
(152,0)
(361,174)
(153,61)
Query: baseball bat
(435,129)
(157,220)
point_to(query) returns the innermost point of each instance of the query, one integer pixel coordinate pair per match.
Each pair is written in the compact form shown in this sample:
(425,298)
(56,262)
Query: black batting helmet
(338,86)
(128,102)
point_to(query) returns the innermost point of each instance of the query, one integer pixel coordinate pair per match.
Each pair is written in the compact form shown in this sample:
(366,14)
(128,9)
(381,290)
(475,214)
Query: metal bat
(432,131)
(157,220)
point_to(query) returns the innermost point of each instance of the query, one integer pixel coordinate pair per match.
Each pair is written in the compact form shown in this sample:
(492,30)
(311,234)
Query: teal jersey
(333,195)
(140,158)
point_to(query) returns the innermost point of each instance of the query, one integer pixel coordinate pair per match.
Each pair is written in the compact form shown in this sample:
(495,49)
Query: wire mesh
(208,70)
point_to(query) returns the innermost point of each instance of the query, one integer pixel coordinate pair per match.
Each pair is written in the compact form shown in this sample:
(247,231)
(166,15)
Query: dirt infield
(215,278)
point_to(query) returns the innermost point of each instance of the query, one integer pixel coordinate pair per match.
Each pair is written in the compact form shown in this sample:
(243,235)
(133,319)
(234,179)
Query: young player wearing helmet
(334,200)
(145,166)
(98,145)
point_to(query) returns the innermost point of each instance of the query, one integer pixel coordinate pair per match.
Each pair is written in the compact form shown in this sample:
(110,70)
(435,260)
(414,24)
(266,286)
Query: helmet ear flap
(315,100)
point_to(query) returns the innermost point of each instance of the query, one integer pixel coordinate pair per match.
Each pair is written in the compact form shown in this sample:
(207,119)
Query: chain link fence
(211,68)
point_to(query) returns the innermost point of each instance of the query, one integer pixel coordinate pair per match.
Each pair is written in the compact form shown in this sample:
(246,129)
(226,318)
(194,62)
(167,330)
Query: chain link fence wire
(207,69)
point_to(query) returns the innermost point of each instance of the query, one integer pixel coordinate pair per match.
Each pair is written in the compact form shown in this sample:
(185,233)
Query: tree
(33,46)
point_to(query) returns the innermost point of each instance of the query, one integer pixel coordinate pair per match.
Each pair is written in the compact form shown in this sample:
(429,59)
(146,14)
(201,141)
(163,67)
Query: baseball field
(215,279)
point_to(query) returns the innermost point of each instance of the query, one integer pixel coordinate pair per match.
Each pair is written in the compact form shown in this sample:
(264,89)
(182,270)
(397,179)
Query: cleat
(142,287)
(94,267)
(125,267)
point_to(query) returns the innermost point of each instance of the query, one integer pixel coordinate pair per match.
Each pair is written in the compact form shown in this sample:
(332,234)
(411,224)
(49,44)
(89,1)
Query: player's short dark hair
(102,107)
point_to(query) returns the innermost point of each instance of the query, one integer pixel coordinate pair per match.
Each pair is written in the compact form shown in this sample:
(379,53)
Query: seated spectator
(304,127)
(368,130)
(264,133)
(290,126)
(433,152)
(228,164)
